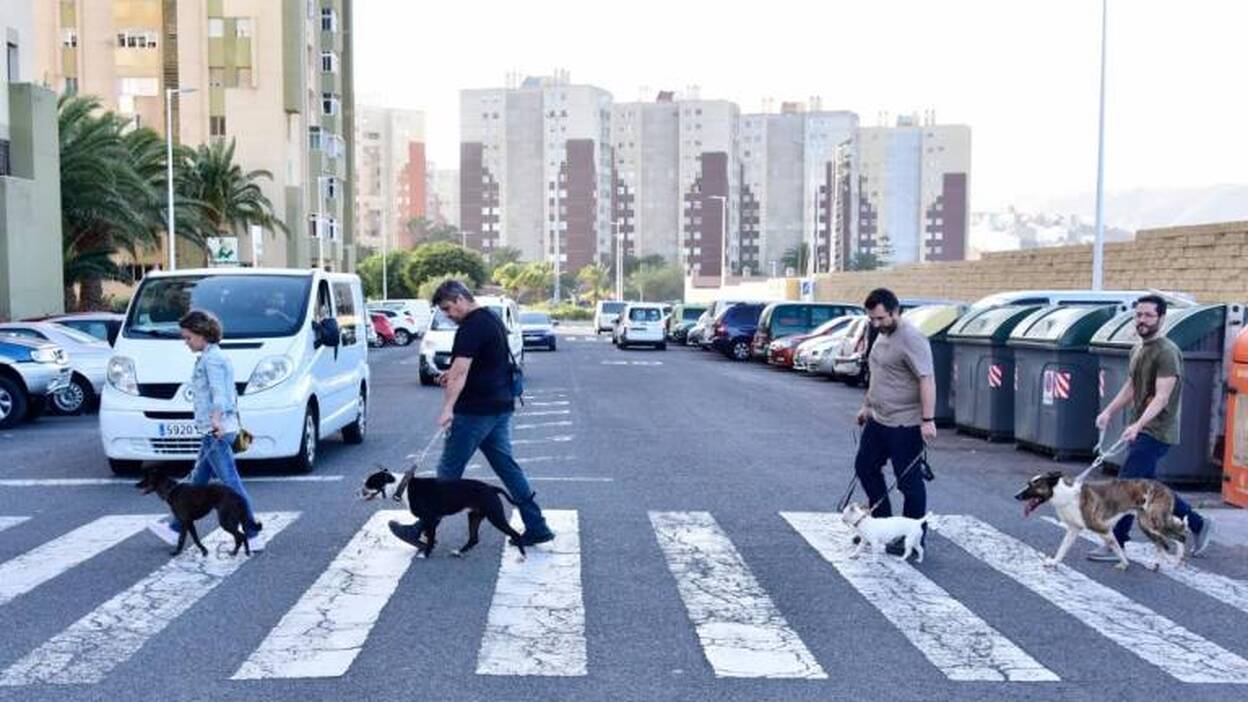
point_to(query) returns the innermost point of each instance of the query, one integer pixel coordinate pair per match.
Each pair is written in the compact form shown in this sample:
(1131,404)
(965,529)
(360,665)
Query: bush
(369,270)
(439,259)
(428,287)
(565,312)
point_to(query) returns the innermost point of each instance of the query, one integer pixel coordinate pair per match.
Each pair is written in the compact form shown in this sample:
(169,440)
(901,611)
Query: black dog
(376,484)
(431,499)
(191,502)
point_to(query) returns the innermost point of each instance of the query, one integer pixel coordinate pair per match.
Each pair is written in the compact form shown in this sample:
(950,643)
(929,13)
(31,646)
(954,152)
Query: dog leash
(919,459)
(411,469)
(1102,456)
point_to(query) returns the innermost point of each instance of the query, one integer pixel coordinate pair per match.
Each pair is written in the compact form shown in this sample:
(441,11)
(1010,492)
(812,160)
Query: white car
(296,339)
(849,358)
(406,328)
(606,314)
(419,310)
(88,359)
(640,323)
(435,347)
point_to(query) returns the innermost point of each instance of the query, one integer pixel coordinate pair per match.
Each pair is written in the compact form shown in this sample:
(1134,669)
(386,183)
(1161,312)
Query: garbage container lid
(994,323)
(933,320)
(1065,326)
(1187,327)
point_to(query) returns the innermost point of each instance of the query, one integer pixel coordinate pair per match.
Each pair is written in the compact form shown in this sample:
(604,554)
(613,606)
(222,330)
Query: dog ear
(1053,476)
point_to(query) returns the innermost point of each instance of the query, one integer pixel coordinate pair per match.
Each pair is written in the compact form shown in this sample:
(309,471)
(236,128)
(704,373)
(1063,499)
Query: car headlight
(269,372)
(121,375)
(44,354)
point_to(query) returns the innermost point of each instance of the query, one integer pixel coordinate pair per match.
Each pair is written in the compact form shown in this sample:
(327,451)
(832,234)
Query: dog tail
(507,496)
(927,518)
(250,524)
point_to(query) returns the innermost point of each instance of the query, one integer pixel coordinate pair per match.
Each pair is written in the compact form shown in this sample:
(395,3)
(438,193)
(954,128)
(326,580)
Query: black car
(538,330)
(733,330)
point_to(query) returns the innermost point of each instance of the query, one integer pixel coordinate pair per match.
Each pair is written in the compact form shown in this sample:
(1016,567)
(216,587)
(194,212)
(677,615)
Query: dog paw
(1050,563)
(1121,565)
(457,553)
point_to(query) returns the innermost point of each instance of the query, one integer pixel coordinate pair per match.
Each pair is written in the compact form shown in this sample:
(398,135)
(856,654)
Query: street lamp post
(723,240)
(1098,245)
(172,220)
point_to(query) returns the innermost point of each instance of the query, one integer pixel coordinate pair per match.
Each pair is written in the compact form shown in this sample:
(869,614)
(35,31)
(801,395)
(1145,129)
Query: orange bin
(1235,460)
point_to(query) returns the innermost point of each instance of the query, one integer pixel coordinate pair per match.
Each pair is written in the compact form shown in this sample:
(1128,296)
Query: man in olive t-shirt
(1154,391)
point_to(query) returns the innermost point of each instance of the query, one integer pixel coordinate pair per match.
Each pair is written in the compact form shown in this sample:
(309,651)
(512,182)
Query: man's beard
(1145,331)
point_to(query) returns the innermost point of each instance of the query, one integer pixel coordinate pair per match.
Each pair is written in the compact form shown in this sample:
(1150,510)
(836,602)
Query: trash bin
(1235,456)
(1055,379)
(983,368)
(1201,335)
(935,321)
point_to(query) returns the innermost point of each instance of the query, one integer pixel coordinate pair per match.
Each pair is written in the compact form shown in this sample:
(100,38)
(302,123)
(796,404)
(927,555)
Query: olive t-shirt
(897,362)
(1156,358)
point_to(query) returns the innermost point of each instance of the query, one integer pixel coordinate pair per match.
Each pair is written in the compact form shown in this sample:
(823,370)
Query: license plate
(178,430)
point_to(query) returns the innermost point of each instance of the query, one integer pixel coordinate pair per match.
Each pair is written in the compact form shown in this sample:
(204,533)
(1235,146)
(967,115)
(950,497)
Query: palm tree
(230,198)
(594,281)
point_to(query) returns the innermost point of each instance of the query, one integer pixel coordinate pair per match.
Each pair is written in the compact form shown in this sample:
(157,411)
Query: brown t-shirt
(1157,358)
(897,362)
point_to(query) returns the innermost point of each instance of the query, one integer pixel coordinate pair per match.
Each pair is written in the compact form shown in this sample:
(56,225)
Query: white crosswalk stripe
(9,522)
(326,629)
(39,565)
(1226,590)
(960,644)
(542,425)
(742,632)
(536,623)
(1145,633)
(117,629)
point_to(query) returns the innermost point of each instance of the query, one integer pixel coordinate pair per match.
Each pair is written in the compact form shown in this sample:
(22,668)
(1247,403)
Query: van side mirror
(327,333)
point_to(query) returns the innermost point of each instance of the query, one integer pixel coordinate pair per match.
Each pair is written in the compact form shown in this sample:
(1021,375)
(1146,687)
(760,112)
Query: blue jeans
(492,434)
(901,445)
(216,459)
(1141,462)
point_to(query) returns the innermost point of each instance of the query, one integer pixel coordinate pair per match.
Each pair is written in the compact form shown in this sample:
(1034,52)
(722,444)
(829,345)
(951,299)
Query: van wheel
(122,467)
(12,403)
(401,337)
(305,460)
(354,432)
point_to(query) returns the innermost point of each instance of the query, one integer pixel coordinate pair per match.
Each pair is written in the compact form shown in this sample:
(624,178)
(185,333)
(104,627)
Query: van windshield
(249,306)
(613,307)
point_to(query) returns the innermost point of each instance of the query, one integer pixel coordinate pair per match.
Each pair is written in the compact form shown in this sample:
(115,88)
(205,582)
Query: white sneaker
(258,542)
(164,532)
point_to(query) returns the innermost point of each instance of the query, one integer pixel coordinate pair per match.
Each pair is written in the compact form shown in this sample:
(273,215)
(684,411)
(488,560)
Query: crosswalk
(536,624)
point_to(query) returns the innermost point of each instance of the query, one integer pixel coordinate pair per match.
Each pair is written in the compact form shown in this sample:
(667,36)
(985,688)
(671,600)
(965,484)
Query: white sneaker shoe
(164,532)
(258,542)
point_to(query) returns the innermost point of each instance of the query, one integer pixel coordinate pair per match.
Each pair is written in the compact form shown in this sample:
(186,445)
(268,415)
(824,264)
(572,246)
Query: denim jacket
(212,383)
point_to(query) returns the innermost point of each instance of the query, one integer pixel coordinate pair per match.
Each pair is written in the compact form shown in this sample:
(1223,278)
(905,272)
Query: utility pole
(1098,244)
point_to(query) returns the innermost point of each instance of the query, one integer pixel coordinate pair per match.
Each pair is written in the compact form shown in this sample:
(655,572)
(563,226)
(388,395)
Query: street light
(1098,244)
(172,225)
(723,241)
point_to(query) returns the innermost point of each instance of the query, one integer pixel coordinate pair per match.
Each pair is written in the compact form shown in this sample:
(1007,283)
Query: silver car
(30,370)
(88,361)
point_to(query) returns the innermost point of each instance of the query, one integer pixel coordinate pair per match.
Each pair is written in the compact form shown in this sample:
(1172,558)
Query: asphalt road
(698,558)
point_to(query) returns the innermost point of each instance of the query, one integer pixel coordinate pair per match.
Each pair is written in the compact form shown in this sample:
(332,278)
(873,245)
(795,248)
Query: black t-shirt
(487,390)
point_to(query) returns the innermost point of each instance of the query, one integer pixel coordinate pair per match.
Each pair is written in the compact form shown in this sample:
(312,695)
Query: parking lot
(698,556)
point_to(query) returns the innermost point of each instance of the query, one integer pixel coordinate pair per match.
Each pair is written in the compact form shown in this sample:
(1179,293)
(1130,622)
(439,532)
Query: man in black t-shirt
(477,407)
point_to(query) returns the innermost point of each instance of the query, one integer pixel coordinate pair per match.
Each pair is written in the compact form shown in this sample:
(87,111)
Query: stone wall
(1208,261)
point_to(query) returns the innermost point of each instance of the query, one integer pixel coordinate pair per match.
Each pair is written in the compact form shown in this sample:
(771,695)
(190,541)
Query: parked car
(296,340)
(849,362)
(640,323)
(783,351)
(811,353)
(406,328)
(782,319)
(382,330)
(88,362)
(435,348)
(31,370)
(605,314)
(538,329)
(734,328)
(102,325)
(681,320)
(705,338)
(419,310)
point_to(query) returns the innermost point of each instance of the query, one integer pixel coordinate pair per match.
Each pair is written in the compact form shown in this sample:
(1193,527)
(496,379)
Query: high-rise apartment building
(535,169)
(443,195)
(275,77)
(710,181)
(913,199)
(391,176)
(648,217)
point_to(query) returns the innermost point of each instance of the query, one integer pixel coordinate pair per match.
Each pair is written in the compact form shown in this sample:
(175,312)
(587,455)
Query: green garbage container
(1055,394)
(935,321)
(1201,334)
(983,371)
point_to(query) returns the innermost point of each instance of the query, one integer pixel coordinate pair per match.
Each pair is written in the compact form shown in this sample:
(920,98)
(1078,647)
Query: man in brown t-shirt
(1154,390)
(898,415)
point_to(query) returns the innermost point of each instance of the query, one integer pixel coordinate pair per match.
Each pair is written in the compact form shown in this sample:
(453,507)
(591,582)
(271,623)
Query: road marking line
(1154,638)
(631,363)
(539,425)
(743,634)
(108,636)
(552,403)
(536,623)
(562,439)
(547,413)
(9,522)
(91,482)
(321,635)
(1219,587)
(43,563)
(955,640)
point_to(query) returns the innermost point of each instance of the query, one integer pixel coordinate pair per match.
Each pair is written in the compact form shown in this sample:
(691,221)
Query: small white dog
(878,533)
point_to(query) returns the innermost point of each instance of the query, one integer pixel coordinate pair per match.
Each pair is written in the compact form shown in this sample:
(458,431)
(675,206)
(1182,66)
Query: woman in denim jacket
(216,415)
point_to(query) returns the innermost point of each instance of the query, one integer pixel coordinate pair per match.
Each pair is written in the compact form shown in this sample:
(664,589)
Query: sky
(1023,74)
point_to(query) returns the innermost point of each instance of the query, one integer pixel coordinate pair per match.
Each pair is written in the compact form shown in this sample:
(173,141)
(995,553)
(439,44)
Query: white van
(435,348)
(298,343)
(606,314)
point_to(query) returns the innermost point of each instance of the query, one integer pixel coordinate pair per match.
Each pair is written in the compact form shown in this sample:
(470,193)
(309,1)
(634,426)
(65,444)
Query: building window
(329,104)
(69,38)
(329,62)
(314,138)
(329,187)
(242,27)
(216,126)
(216,27)
(11,54)
(136,39)
(329,19)
(216,77)
(71,86)
(4,157)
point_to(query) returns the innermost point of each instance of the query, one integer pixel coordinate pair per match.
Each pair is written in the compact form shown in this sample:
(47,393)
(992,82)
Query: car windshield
(441,322)
(76,335)
(534,318)
(691,314)
(249,306)
(645,314)
(613,307)
(830,325)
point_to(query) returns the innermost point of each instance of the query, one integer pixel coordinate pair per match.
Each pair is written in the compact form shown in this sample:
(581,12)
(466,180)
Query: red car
(783,351)
(385,332)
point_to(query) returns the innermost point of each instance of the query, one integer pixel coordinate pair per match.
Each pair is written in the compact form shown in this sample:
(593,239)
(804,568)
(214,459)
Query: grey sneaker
(165,532)
(1103,554)
(1203,538)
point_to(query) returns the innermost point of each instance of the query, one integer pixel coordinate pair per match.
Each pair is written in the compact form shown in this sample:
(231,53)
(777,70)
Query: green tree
(432,260)
(426,231)
(863,261)
(658,283)
(369,270)
(428,287)
(502,256)
(537,280)
(507,276)
(797,258)
(230,198)
(594,281)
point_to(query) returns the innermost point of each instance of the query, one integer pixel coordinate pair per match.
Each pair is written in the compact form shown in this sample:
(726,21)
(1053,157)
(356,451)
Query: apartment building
(709,179)
(647,206)
(391,176)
